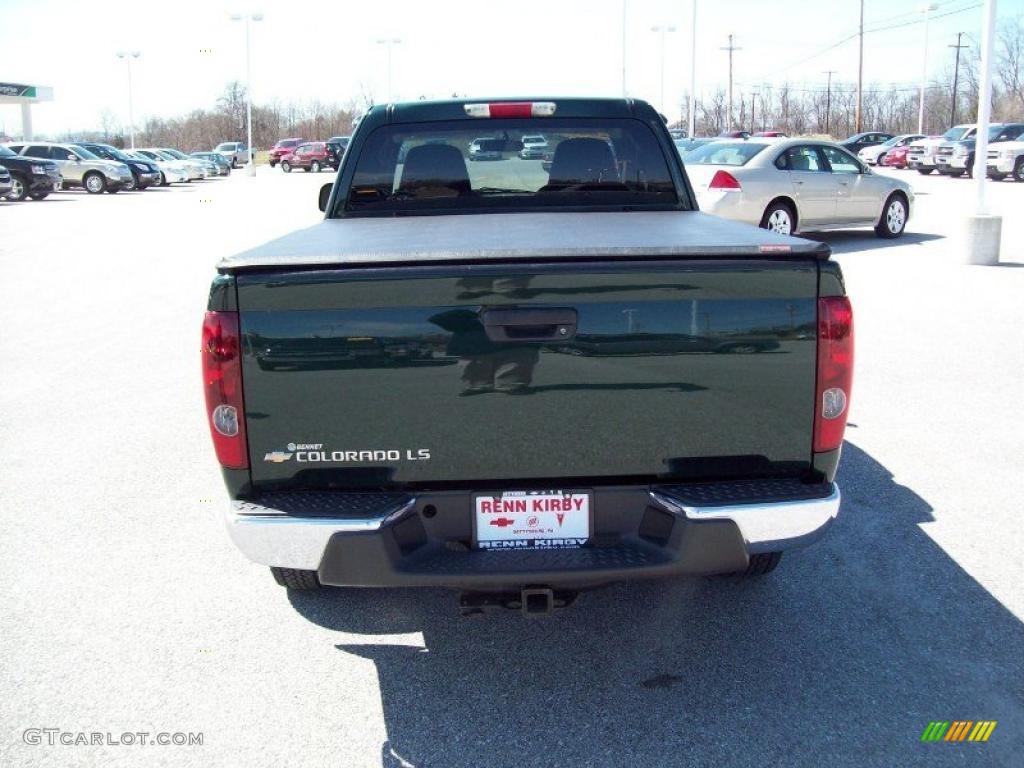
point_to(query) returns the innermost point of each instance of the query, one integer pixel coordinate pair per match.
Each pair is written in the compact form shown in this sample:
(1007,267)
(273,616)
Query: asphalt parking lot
(124,607)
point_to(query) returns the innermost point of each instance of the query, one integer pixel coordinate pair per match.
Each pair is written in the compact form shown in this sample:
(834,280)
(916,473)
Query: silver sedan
(796,184)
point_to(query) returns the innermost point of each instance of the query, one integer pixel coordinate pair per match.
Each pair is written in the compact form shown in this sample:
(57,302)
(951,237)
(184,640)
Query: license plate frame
(574,529)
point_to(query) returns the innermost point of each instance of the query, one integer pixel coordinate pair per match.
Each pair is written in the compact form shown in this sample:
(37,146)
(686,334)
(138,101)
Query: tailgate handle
(530,324)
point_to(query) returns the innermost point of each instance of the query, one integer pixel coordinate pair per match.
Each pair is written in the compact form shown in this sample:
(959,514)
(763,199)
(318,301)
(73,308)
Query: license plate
(532,520)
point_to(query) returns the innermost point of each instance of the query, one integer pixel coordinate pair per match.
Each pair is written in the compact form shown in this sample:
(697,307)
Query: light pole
(662,29)
(926,10)
(731,49)
(128,56)
(693,71)
(390,42)
(248,17)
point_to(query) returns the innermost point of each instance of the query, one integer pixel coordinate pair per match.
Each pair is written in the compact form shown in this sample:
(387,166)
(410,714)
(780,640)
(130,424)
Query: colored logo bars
(958,730)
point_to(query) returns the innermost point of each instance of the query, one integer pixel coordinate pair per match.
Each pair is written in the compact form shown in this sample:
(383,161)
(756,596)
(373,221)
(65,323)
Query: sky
(328,50)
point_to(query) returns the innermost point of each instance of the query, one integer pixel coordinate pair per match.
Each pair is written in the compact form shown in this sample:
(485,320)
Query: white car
(1006,159)
(194,169)
(171,172)
(796,185)
(922,153)
(192,163)
(873,155)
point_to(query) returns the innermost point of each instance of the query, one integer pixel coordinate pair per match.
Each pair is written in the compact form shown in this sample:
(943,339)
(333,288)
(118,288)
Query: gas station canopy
(26,96)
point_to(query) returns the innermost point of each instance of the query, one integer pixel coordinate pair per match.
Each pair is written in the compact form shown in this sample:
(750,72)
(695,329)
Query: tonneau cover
(509,236)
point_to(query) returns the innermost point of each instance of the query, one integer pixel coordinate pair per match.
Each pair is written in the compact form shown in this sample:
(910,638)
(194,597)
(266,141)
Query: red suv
(311,156)
(282,148)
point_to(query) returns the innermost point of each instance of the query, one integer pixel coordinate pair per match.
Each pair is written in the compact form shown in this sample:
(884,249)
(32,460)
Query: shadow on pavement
(843,655)
(849,241)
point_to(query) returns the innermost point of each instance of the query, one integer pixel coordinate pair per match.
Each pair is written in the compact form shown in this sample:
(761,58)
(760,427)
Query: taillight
(724,180)
(222,382)
(835,371)
(510,109)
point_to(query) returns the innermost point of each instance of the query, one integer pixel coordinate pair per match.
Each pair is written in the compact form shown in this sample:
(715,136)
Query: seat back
(435,170)
(583,161)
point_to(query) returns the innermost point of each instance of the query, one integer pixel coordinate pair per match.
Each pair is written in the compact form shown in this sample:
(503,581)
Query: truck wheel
(761,563)
(997,176)
(39,195)
(315,166)
(893,220)
(779,217)
(286,166)
(1018,169)
(19,189)
(924,171)
(94,183)
(293,578)
(234,162)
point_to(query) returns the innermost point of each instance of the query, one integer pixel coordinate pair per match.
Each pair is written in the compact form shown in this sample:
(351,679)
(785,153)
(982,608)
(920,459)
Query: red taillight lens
(724,180)
(222,382)
(835,372)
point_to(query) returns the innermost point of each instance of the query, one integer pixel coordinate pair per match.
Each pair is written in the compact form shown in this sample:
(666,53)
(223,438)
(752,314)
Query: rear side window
(37,151)
(724,153)
(476,165)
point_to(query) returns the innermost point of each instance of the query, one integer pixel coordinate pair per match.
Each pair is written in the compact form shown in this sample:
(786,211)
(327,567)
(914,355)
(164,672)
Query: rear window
(724,153)
(422,167)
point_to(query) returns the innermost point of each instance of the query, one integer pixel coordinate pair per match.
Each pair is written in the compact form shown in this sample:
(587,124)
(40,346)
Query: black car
(336,150)
(859,141)
(30,176)
(144,173)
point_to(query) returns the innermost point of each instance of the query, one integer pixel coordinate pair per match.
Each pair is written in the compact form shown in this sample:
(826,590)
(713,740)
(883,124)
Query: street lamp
(248,17)
(926,10)
(390,42)
(128,56)
(693,71)
(662,30)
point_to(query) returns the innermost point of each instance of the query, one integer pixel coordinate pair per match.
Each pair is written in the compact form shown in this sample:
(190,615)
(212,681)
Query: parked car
(734,135)
(895,157)
(80,167)
(873,155)
(487,148)
(797,185)
(281,148)
(6,185)
(677,133)
(235,152)
(30,177)
(144,172)
(171,170)
(198,169)
(311,156)
(534,147)
(860,141)
(336,150)
(685,146)
(770,135)
(955,158)
(1007,159)
(223,167)
(921,156)
(667,461)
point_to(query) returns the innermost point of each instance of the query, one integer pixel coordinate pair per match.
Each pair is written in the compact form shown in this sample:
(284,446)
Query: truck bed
(519,236)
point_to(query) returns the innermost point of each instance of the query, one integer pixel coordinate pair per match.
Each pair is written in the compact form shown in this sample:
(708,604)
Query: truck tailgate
(521,372)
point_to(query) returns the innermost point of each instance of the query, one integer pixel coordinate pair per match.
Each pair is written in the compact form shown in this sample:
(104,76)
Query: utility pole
(730,48)
(926,10)
(753,109)
(390,42)
(956,77)
(128,56)
(860,71)
(623,48)
(693,72)
(661,29)
(828,99)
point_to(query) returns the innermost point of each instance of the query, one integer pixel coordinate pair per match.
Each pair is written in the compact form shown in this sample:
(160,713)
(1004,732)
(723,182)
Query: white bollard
(982,236)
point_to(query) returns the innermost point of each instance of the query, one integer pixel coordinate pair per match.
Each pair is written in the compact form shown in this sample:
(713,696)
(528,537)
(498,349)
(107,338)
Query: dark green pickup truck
(524,377)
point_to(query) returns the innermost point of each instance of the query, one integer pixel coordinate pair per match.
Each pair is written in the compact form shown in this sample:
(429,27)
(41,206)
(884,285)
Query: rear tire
(39,195)
(1018,170)
(779,217)
(924,171)
(315,166)
(894,217)
(286,166)
(761,564)
(293,578)
(997,176)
